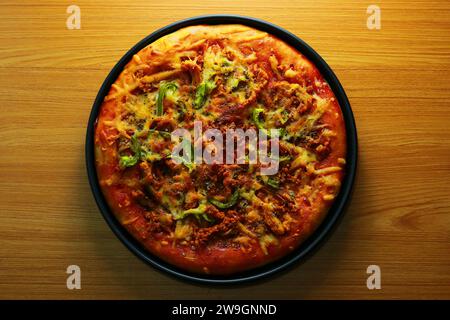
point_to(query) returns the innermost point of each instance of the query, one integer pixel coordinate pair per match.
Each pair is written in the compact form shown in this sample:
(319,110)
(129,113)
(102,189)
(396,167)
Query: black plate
(337,209)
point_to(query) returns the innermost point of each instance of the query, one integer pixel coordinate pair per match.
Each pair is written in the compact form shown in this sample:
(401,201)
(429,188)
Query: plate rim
(322,232)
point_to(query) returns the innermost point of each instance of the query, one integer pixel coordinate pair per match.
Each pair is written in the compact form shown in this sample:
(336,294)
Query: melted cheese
(239,79)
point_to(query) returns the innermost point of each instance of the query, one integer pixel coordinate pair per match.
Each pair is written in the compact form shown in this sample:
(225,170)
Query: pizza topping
(164,89)
(200,211)
(203,90)
(266,241)
(131,160)
(225,205)
(245,79)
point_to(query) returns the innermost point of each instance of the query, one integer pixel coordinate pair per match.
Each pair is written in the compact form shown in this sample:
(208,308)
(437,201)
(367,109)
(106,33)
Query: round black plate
(332,217)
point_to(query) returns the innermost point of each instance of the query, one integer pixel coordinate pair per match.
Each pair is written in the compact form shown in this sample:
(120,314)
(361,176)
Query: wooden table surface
(398,83)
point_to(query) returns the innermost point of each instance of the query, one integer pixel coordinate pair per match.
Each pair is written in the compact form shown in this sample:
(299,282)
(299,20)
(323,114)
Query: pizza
(219,218)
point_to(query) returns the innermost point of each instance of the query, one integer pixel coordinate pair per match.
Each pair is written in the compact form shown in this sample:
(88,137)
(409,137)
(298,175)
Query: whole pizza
(219,217)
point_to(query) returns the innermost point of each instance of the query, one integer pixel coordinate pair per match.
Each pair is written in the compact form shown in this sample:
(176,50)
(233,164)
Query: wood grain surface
(398,83)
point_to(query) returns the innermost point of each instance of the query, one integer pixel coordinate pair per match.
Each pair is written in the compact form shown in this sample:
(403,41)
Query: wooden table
(398,82)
